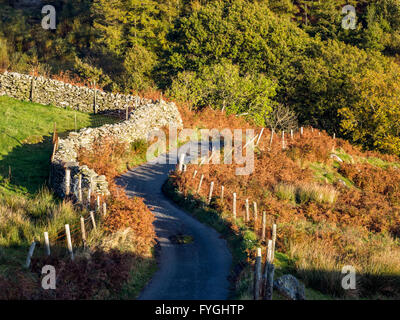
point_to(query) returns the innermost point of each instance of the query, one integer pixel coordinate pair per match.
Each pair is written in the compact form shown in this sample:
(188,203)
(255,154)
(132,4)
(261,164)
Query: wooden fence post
(334,142)
(32,92)
(222,193)
(264,223)
(200,182)
(47,243)
(255,212)
(273,242)
(69,242)
(259,137)
(234,206)
(291,134)
(95,99)
(269,251)
(181,162)
(269,274)
(127,113)
(257,275)
(83,230)
(80,198)
(210,193)
(104,209)
(247,211)
(93,220)
(89,197)
(54,132)
(98,203)
(30,254)
(272,138)
(67,181)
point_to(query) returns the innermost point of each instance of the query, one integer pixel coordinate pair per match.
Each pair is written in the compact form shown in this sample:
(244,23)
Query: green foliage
(139,63)
(222,86)
(321,84)
(285,192)
(87,71)
(242,55)
(247,33)
(383,23)
(374,118)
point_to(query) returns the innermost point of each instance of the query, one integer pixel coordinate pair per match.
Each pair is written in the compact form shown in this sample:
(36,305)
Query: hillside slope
(334,205)
(117,261)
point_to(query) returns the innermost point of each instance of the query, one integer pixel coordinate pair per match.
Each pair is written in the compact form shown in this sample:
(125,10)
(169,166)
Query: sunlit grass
(25,141)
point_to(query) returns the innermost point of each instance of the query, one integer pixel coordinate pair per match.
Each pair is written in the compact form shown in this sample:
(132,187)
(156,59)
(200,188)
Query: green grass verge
(328,174)
(142,274)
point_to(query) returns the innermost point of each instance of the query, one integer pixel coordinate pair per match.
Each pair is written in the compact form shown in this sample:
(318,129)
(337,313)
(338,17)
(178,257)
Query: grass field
(25,141)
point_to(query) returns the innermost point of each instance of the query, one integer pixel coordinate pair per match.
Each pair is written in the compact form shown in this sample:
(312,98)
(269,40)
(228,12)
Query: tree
(321,84)
(138,63)
(281,118)
(247,33)
(374,119)
(222,87)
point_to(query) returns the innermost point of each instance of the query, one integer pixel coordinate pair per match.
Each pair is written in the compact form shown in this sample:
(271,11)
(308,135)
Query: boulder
(290,287)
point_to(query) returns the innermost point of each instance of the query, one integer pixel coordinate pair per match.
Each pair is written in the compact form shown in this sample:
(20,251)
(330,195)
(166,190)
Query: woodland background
(246,56)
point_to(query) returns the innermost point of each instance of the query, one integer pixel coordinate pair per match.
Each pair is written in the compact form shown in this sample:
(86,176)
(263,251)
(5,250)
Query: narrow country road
(195,271)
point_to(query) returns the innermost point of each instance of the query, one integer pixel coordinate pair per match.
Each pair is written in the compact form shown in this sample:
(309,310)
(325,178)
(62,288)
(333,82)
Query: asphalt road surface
(193,271)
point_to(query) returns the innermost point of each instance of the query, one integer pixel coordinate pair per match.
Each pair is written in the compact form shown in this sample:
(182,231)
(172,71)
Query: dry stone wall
(60,94)
(147,116)
(142,121)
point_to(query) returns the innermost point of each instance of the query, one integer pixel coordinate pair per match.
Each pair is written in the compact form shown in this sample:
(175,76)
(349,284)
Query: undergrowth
(329,213)
(118,259)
